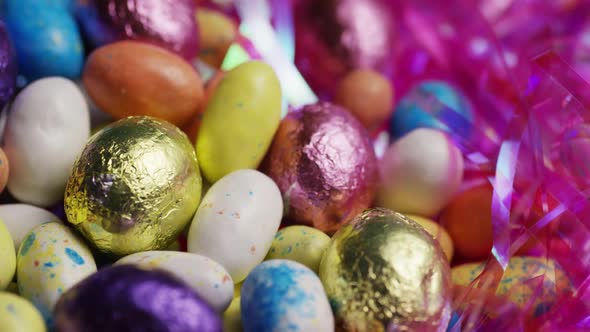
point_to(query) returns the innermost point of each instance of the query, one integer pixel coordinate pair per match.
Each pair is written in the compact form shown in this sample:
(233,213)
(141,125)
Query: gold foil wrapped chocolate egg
(383,272)
(135,186)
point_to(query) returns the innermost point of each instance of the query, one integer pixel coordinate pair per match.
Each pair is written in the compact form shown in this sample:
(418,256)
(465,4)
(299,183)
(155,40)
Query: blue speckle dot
(10,308)
(216,286)
(48,264)
(27,244)
(52,275)
(74,256)
(250,193)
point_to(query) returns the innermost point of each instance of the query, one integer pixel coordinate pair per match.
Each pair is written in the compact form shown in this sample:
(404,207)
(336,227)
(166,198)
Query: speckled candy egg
(517,281)
(50,260)
(8,257)
(207,277)
(8,66)
(46,39)
(324,163)
(46,129)
(282,295)
(127,298)
(135,186)
(167,23)
(232,318)
(236,221)
(302,244)
(20,219)
(423,106)
(383,272)
(419,173)
(19,315)
(335,36)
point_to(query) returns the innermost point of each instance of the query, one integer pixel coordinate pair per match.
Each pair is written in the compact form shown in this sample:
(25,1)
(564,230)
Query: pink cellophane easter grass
(524,66)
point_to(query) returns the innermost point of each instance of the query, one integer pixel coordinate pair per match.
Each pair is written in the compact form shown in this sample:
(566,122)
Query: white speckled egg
(50,260)
(7,257)
(420,173)
(207,277)
(236,221)
(283,295)
(20,219)
(47,127)
(19,315)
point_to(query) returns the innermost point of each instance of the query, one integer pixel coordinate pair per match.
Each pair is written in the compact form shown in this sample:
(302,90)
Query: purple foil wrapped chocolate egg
(170,24)
(8,67)
(128,298)
(336,36)
(325,166)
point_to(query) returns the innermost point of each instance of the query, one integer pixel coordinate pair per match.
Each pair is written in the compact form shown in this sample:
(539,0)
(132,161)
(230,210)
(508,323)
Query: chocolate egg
(131,78)
(335,36)
(8,66)
(127,298)
(324,164)
(383,272)
(166,23)
(135,186)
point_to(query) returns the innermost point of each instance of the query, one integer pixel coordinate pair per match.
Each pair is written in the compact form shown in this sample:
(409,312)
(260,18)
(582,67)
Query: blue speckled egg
(46,38)
(7,66)
(281,295)
(426,104)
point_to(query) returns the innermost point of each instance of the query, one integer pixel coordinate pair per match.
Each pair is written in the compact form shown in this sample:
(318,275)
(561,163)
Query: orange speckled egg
(4,170)
(468,220)
(132,78)
(439,234)
(368,95)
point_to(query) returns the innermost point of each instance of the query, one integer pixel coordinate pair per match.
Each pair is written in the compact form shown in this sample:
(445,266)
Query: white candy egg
(283,295)
(22,218)
(207,277)
(47,127)
(50,260)
(236,221)
(420,173)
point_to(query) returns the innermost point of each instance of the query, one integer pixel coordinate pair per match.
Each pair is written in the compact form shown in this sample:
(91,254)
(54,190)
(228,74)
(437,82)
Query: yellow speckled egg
(232,320)
(7,257)
(50,260)
(239,121)
(19,315)
(438,232)
(302,244)
(514,281)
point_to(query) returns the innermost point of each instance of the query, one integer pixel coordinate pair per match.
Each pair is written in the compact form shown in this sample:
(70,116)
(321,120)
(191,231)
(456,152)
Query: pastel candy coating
(239,121)
(19,315)
(47,128)
(236,221)
(232,320)
(50,260)
(419,173)
(20,219)
(302,244)
(46,39)
(421,107)
(283,295)
(207,277)
(7,257)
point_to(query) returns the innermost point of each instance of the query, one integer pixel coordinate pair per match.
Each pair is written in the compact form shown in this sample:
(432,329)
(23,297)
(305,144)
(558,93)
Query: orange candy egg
(216,33)
(368,95)
(468,219)
(4,170)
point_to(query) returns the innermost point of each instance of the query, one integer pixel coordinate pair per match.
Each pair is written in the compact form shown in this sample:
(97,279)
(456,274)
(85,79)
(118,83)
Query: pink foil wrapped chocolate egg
(169,24)
(336,36)
(324,164)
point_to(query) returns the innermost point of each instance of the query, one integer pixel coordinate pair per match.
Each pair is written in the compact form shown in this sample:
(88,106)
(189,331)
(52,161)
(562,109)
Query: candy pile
(294,165)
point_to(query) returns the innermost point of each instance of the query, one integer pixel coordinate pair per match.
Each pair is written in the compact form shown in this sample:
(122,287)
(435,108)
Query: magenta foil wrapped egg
(7,67)
(170,24)
(325,166)
(333,37)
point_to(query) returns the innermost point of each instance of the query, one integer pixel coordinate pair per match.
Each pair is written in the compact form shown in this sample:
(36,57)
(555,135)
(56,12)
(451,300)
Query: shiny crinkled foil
(135,186)
(383,272)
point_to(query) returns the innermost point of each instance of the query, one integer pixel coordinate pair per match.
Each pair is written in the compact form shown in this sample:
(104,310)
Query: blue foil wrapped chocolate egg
(128,298)
(8,67)
(427,105)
